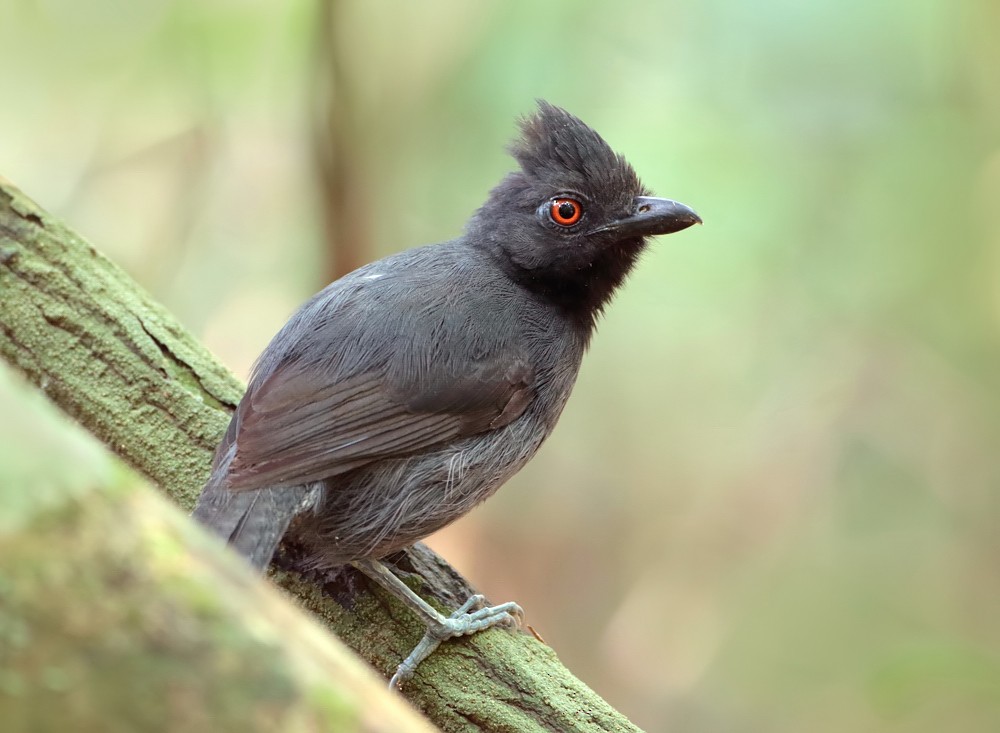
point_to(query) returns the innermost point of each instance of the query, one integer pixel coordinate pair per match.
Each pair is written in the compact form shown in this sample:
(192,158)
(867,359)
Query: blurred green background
(773,503)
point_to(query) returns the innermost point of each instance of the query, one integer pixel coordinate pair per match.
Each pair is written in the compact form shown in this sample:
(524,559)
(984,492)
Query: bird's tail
(253,522)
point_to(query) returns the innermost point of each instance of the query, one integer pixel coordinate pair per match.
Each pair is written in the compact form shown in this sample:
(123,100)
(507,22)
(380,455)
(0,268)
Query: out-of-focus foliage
(774,500)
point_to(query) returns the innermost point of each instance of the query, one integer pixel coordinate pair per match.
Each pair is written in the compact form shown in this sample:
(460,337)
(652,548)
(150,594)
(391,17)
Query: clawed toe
(471,617)
(465,622)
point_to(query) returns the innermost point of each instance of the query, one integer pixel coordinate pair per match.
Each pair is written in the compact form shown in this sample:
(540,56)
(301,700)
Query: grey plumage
(463,411)
(405,393)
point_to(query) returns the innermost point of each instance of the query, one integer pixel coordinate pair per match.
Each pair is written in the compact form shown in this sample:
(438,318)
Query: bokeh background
(772,503)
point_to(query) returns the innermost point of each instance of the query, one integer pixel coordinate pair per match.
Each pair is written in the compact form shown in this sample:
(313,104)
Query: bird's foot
(471,617)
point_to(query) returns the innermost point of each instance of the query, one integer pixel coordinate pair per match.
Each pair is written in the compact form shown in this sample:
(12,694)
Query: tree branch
(118,362)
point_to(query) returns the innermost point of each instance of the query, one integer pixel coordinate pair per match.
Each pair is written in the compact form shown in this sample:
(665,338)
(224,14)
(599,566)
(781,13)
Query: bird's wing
(300,425)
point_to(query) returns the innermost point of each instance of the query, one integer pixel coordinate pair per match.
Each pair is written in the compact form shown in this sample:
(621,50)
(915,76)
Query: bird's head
(572,221)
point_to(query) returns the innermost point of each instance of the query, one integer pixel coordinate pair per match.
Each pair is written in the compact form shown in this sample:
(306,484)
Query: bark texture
(106,353)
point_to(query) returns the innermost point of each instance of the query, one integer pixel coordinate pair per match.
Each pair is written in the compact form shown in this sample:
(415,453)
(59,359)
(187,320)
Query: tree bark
(118,362)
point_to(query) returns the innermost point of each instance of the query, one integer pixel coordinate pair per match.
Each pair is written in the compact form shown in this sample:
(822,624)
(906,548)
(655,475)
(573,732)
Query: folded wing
(300,425)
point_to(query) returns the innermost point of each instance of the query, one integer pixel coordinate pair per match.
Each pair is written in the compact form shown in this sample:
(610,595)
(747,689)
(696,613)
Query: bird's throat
(582,292)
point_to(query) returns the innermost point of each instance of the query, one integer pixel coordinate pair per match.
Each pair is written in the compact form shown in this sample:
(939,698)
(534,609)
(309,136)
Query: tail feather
(253,522)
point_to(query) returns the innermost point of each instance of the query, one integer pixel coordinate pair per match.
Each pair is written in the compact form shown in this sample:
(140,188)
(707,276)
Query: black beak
(651,216)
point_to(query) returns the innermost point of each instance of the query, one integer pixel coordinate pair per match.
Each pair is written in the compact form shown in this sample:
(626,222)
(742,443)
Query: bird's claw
(471,617)
(474,615)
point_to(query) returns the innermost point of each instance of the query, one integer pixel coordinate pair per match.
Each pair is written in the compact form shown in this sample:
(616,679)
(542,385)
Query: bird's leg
(472,616)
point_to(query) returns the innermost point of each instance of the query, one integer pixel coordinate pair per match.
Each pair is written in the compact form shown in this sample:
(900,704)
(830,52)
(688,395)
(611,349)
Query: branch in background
(335,140)
(119,363)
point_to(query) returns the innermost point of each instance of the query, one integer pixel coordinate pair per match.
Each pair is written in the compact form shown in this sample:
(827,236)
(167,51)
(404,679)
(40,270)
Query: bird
(408,391)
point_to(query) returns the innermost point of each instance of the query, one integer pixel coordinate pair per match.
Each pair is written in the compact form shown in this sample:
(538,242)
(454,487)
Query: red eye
(565,212)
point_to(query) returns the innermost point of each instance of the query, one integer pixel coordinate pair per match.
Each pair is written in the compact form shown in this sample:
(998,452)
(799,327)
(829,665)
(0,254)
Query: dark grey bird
(405,393)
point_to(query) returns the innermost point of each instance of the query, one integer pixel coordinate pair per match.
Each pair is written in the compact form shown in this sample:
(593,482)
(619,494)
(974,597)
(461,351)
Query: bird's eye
(565,212)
